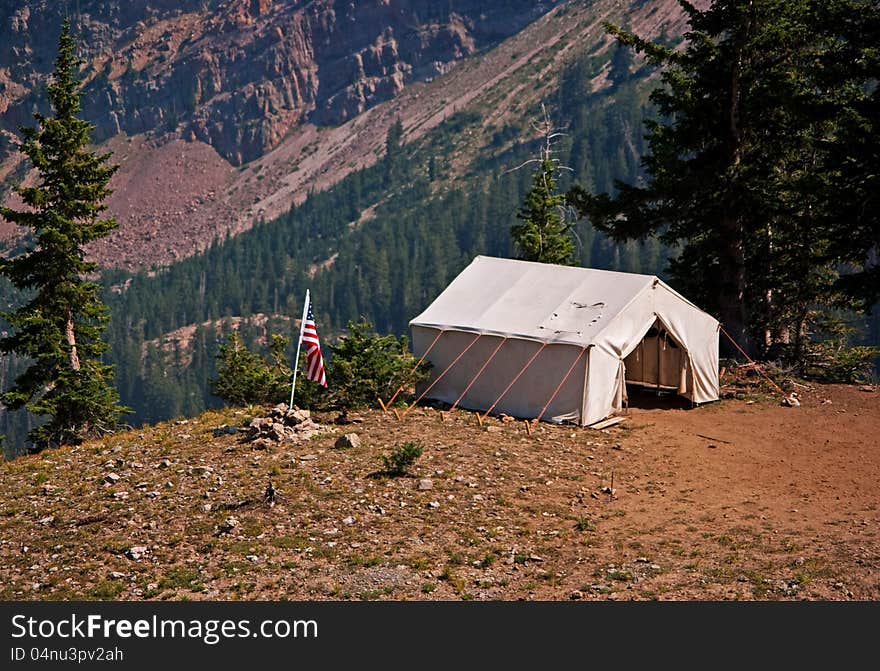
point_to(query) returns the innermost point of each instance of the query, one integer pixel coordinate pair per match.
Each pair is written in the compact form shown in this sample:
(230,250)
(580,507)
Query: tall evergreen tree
(60,324)
(740,172)
(544,234)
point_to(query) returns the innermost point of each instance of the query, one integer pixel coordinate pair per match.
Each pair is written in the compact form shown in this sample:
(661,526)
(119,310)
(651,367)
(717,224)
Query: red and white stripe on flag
(314,360)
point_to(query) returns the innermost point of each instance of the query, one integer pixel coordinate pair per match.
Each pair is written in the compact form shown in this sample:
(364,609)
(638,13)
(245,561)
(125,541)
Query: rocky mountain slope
(240,74)
(225,113)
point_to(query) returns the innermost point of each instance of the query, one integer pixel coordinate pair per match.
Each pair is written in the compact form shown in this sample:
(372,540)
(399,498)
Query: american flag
(314,360)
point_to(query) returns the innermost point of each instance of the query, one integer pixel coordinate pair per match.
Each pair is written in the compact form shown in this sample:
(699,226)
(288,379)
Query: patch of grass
(487,560)
(182,578)
(241,548)
(359,560)
(584,524)
(429,587)
(107,590)
(456,582)
(419,563)
(621,575)
(760,585)
(252,528)
(456,559)
(288,542)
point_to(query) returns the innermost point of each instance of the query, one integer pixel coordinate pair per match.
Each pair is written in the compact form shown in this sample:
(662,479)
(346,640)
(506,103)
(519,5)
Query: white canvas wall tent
(558,343)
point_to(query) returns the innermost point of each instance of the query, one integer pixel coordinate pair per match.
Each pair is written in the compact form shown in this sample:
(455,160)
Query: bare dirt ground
(733,500)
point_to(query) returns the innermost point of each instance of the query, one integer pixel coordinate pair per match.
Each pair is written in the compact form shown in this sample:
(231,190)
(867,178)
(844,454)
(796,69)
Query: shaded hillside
(176,191)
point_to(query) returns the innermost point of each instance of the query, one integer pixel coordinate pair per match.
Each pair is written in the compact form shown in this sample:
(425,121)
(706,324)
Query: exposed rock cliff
(241,74)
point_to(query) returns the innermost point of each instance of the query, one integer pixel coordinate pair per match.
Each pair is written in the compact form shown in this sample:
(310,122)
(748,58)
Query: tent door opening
(658,362)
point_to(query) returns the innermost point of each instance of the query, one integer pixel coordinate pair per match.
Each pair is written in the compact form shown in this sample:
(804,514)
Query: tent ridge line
(499,334)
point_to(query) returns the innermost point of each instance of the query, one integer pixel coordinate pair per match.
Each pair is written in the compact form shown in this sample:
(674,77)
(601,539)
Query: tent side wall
(531,392)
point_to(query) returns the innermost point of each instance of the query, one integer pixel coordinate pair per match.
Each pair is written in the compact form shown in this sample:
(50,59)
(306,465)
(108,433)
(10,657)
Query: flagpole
(299,340)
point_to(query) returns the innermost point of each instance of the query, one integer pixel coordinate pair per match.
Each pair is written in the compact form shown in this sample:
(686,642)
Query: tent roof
(536,301)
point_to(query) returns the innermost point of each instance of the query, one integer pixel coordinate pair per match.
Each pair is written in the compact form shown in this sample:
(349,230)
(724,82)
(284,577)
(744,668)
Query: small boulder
(136,552)
(425,484)
(296,416)
(111,478)
(347,441)
(228,525)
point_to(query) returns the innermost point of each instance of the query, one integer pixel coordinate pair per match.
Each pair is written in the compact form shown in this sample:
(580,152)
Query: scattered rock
(425,484)
(46,521)
(165,463)
(493,429)
(348,520)
(868,388)
(282,425)
(433,504)
(112,478)
(120,496)
(345,418)
(577,594)
(203,471)
(136,552)
(226,430)
(228,525)
(115,575)
(296,416)
(347,441)
(791,401)
(252,558)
